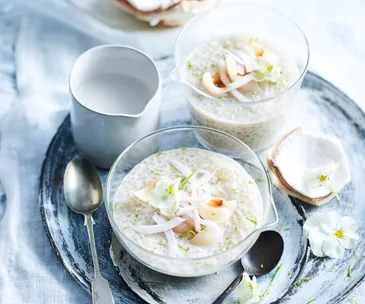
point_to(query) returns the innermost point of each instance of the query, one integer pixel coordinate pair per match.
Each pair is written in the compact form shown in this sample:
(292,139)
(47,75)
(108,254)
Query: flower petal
(349,241)
(332,247)
(331,220)
(316,237)
(347,225)
(312,222)
(244,290)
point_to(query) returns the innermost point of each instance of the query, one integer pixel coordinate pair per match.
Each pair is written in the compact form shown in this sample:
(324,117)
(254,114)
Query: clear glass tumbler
(257,123)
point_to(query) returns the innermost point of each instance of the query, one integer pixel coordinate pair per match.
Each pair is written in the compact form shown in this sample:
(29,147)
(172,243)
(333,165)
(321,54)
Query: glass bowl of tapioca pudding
(187,209)
(242,65)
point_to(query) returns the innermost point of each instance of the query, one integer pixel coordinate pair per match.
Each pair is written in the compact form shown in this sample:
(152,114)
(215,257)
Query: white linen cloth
(36,55)
(29,270)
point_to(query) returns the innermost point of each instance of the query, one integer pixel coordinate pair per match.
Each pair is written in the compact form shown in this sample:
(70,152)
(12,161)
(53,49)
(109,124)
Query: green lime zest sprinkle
(183,149)
(260,180)
(251,182)
(234,190)
(325,265)
(358,256)
(229,244)
(213,65)
(160,297)
(253,221)
(174,170)
(268,289)
(189,65)
(333,191)
(289,273)
(184,181)
(300,282)
(287,229)
(159,154)
(269,68)
(162,244)
(310,301)
(156,173)
(187,233)
(235,229)
(349,271)
(115,206)
(183,248)
(214,214)
(354,300)
(126,228)
(136,215)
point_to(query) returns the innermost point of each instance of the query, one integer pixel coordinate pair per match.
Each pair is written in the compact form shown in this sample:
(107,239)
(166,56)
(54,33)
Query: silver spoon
(261,259)
(84,194)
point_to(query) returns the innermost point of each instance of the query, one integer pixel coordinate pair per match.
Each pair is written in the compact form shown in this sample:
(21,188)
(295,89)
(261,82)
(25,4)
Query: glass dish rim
(118,232)
(255,102)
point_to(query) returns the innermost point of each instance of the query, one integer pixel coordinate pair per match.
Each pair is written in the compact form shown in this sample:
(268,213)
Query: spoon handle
(101,293)
(229,289)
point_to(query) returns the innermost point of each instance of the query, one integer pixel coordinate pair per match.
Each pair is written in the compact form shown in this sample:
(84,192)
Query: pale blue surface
(46,280)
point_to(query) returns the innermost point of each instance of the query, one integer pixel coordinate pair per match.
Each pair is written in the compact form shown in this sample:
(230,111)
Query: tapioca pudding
(231,76)
(188,203)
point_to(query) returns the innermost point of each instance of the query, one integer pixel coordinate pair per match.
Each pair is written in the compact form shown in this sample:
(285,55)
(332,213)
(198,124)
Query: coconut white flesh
(184,170)
(170,236)
(302,155)
(144,193)
(149,229)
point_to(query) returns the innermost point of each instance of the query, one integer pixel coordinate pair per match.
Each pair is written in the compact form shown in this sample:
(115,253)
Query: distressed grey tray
(319,106)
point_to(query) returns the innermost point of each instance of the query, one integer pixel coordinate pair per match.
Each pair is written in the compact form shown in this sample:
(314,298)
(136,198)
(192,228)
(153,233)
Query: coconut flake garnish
(184,170)
(226,82)
(201,202)
(191,198)
(170,236)
(150,229)
(144,193)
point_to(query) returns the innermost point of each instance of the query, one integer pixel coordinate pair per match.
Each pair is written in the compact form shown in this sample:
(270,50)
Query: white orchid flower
(330,234)
(248,290)
(165,195)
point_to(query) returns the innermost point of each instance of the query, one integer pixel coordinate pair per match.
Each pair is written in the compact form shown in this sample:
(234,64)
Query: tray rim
(42,197)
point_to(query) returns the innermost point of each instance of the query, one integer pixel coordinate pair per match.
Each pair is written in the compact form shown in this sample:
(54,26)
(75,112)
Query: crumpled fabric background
(36,55)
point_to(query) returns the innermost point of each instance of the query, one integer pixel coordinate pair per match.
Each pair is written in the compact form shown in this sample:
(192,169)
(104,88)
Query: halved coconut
(310,166)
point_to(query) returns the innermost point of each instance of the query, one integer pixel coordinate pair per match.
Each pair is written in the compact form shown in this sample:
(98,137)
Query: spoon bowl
(262,258)
(82,187)
(264,255)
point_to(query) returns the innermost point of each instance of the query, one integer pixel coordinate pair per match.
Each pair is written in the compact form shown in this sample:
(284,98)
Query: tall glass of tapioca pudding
(243,65)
